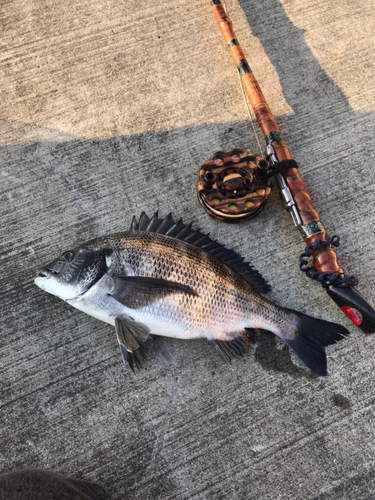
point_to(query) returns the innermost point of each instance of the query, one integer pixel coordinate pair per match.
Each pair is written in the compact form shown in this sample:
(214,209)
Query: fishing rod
(233,186)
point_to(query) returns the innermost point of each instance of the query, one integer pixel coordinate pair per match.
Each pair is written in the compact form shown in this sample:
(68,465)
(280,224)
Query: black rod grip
(354,306)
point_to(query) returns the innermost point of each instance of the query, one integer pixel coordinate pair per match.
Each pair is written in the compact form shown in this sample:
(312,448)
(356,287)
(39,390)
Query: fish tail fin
(309,336)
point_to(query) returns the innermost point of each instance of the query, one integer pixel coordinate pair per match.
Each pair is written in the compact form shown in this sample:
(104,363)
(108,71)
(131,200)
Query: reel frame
(233,185)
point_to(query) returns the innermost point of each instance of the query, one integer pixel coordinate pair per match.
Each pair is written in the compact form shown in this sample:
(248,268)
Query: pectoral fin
(136,292)
(131,337)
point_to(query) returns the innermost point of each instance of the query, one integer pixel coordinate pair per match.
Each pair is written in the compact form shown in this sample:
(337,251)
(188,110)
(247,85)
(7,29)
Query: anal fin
(230,349)
(132,337)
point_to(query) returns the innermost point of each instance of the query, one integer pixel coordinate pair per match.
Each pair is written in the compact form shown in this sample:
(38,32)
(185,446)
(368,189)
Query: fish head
(75,271)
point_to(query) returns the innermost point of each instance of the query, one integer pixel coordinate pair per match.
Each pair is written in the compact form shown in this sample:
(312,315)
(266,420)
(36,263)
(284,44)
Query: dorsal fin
(184,232)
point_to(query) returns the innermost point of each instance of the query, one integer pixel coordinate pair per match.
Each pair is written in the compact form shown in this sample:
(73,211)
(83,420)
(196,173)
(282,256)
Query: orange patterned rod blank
(294,194)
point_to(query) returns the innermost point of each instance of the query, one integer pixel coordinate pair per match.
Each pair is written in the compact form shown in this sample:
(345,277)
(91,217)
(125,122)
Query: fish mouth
(48,280)
(44,272)
(41,273)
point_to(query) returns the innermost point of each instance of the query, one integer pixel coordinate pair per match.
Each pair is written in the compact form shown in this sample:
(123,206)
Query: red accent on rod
(352,315)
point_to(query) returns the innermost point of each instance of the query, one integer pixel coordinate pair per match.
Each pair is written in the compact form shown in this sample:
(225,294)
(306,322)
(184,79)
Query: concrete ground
(109,108)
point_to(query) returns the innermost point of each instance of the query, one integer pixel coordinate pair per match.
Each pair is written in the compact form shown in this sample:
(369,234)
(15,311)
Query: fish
(163,277)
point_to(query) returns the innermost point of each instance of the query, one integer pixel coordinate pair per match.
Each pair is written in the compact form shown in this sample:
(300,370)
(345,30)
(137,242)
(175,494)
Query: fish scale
(224,298)
(165,278)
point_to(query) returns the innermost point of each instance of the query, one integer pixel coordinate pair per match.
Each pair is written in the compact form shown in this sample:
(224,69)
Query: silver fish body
(166,279)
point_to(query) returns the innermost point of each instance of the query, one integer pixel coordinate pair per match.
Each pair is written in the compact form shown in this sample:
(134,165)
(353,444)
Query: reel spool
(233,186)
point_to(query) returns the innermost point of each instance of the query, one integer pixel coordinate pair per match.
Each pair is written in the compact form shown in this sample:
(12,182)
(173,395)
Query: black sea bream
(164,278)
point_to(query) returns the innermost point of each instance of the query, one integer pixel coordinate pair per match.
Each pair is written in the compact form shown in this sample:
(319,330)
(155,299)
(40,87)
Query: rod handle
(354,306)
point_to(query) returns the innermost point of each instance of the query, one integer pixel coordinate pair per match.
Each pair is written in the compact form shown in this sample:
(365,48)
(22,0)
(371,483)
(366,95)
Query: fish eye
(67,256)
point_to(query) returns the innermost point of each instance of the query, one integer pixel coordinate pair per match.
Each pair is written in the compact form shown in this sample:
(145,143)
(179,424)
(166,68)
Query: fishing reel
(234,186)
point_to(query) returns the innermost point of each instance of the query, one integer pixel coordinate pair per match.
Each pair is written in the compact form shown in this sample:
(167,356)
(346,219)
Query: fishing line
(251,114)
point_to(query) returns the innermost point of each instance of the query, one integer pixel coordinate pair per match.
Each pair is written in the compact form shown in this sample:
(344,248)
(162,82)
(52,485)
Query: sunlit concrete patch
(96,72)
(343,44)
(14,132)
